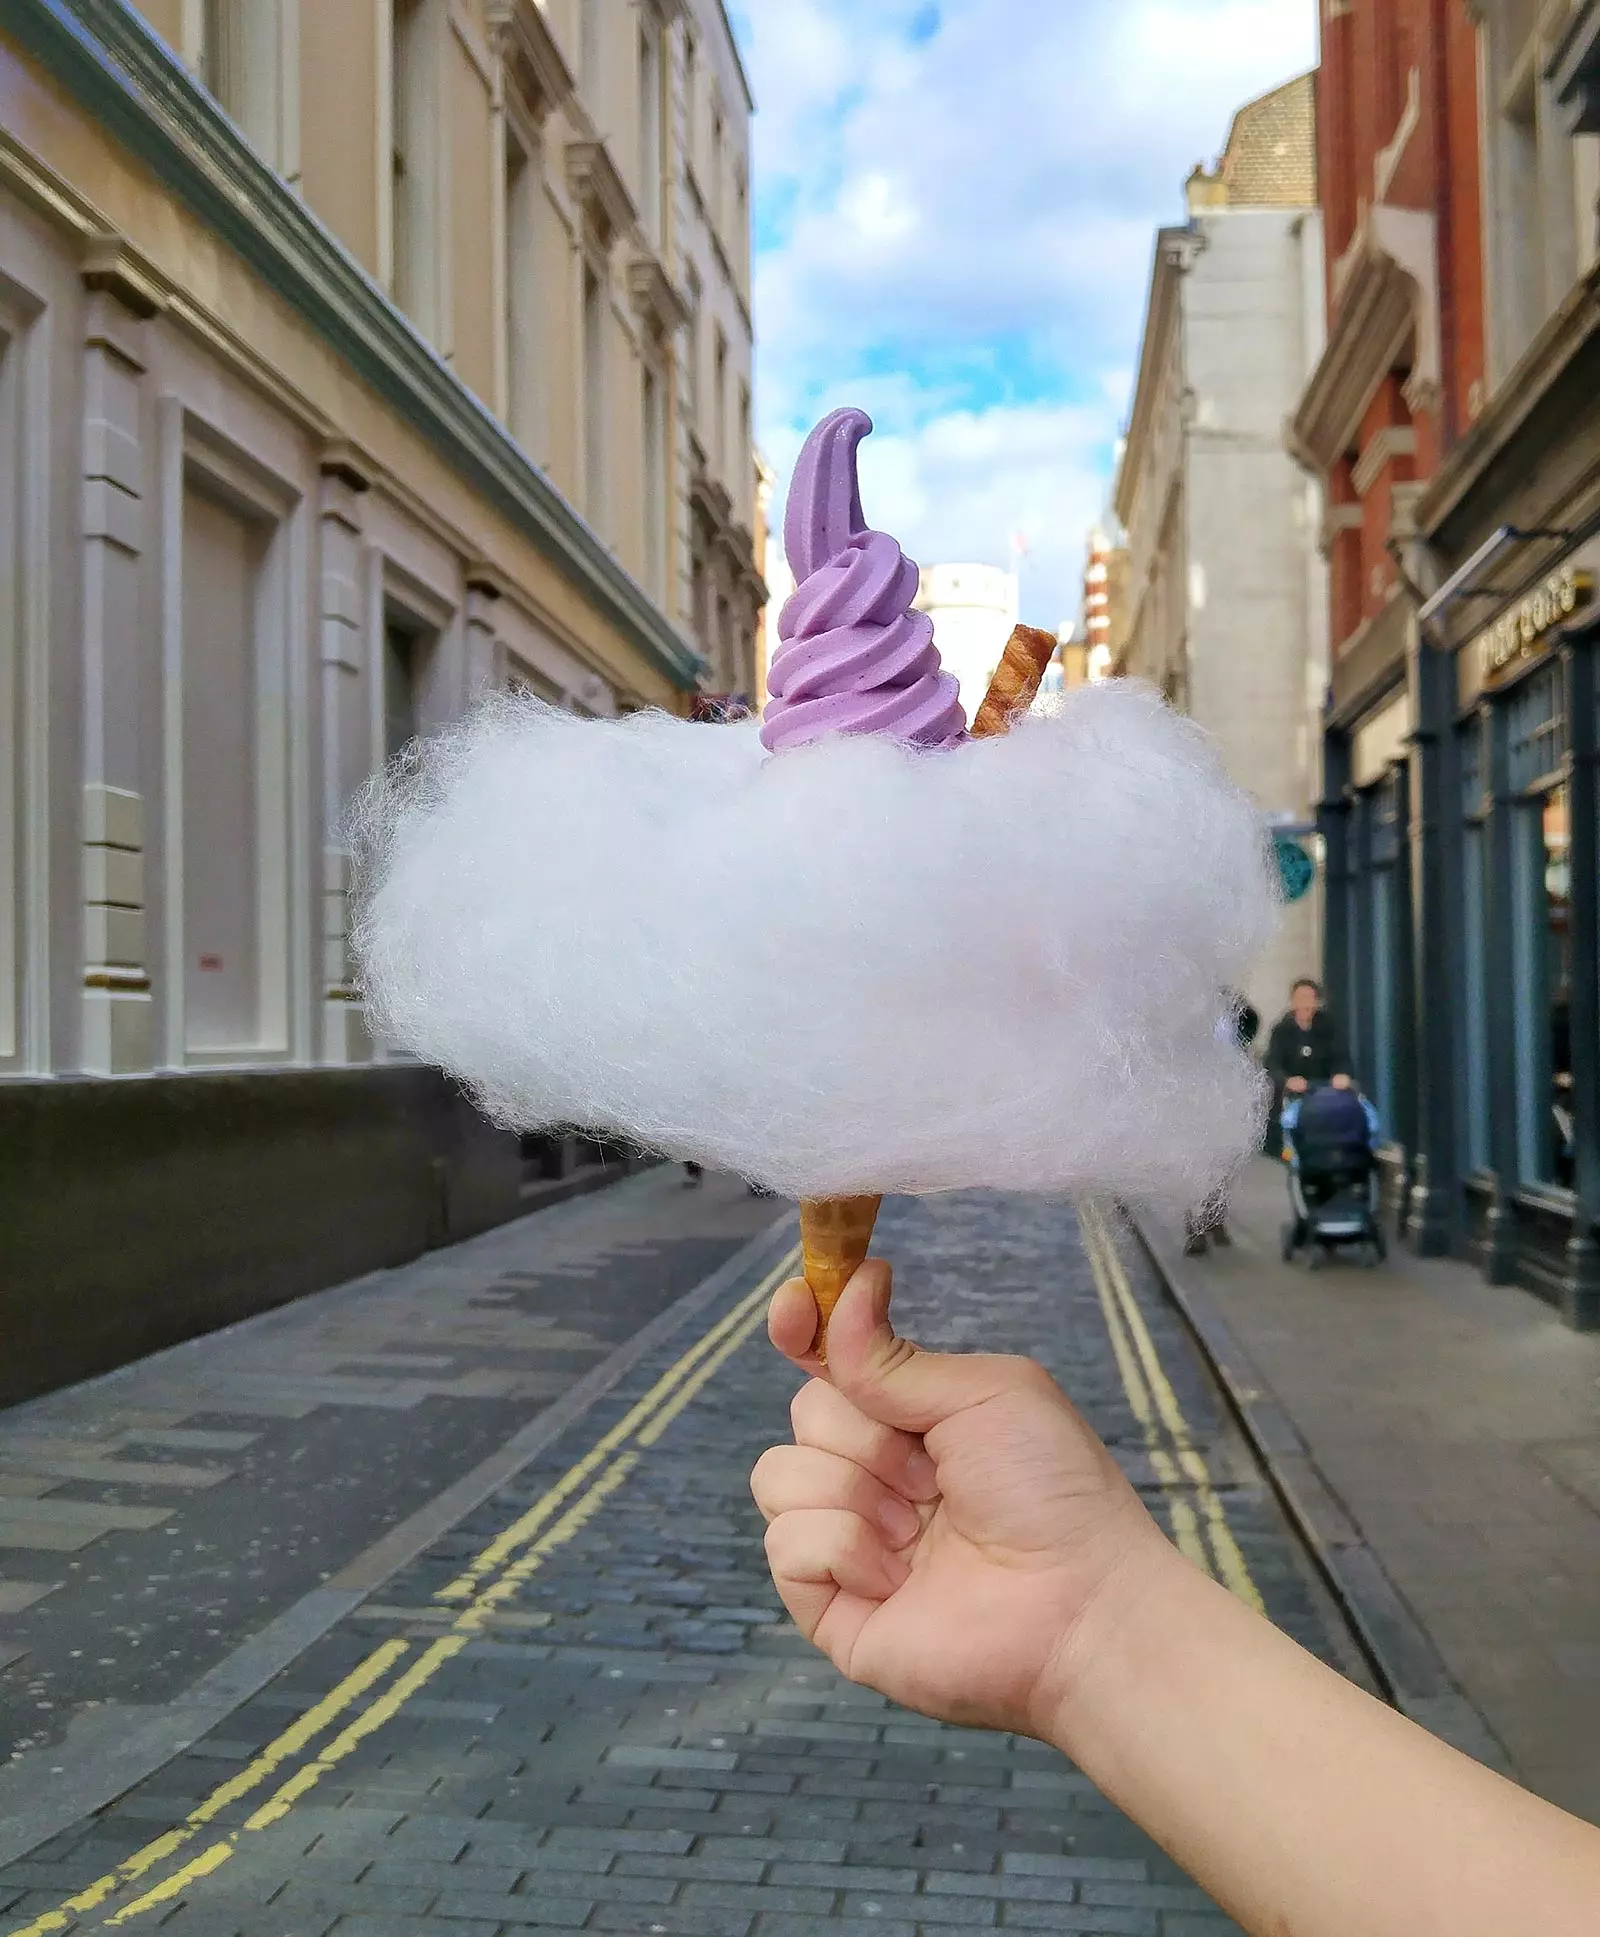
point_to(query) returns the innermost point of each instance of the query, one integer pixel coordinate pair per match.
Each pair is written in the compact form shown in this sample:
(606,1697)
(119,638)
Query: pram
(1330,1146)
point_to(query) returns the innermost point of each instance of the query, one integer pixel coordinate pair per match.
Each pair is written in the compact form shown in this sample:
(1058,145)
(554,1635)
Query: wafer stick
(836,1232)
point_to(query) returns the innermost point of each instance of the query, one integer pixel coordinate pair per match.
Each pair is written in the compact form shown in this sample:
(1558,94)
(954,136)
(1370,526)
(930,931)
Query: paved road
(578,1706)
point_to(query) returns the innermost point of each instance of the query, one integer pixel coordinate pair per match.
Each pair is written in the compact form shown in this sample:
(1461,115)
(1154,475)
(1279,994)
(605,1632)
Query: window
(241,59)
(650,123)
(403,648)
(226,795)
(594,389)
(413,210)
(691,92)
(591,51)
(655,484)
(692,349)
(718,167)
(719,401)
(521,292)
(1542,954)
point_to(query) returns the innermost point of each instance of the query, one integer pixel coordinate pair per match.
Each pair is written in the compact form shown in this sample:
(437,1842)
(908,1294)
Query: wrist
(1145,1580)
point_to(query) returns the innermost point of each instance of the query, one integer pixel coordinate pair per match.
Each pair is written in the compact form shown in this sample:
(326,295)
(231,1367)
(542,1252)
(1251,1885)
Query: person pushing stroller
(1330,1144)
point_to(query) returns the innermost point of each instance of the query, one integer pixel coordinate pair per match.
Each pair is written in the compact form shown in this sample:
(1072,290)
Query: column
(1500,1249)
(115,1027)
(482,644)
(1333,823)
(1437,948)
(346,740)
(1580,1291)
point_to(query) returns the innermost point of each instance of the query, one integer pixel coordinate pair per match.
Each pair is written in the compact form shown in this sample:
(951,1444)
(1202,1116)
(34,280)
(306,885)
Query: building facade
(1461,733)
(1103,642)
(1225,605)
(353,360)
(973,609)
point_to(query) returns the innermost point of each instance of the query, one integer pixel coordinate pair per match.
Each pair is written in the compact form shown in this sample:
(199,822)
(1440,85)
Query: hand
(1341,1082)
(943,1523)
(1296,1086)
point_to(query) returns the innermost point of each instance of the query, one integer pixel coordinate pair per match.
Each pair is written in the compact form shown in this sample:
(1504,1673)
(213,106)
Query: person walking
(1239,1023)
(1305,1047)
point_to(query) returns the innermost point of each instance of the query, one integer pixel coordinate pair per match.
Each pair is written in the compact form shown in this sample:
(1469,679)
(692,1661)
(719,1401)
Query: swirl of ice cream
(853,657)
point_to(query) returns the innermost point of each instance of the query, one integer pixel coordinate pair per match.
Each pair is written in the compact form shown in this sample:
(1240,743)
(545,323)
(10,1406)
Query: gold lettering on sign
(1518,631)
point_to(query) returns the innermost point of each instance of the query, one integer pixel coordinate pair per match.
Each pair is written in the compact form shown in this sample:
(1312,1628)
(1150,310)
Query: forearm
(1299,1802)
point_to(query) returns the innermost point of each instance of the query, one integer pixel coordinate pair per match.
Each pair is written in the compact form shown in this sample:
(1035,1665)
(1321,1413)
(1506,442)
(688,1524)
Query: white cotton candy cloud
(852,967)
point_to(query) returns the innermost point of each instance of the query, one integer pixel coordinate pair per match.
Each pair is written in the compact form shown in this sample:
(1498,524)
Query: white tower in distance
(973,608)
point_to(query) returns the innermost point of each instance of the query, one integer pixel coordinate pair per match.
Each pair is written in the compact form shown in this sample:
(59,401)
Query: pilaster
(346,739)
(115,1036)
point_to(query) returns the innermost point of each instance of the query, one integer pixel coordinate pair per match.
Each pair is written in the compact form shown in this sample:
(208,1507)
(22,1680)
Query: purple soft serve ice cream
(853,656)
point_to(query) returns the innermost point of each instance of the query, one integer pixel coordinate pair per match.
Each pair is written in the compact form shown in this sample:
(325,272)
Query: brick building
(1455,417)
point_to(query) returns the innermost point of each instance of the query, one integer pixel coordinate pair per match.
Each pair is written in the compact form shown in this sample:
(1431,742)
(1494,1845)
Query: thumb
(890,1379)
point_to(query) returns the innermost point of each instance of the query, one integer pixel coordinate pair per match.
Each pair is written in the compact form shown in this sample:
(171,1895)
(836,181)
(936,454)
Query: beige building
(973,609)
(354,358)
(1224,603)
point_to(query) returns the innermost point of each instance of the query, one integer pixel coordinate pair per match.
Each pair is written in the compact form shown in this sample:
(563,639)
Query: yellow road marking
(293,1739)
(1185,1526)
(1184,1462)
(499,1550)
(648,1419)
(1231,1560)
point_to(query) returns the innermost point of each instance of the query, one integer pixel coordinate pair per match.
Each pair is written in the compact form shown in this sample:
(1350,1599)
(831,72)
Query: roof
(1271,157)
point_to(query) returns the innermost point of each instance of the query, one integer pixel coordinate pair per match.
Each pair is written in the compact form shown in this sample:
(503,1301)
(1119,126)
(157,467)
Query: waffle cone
(835,1233)
(1016,682)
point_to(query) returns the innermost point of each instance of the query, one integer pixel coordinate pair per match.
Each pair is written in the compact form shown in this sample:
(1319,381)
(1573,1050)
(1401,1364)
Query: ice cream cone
(1016,682)
(835,1233)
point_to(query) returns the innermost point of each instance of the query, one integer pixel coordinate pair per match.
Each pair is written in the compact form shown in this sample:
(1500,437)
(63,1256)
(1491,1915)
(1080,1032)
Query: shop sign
(1518,632)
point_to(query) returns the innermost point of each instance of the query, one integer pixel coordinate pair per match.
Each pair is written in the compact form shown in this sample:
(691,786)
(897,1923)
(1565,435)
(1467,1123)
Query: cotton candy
(851,967)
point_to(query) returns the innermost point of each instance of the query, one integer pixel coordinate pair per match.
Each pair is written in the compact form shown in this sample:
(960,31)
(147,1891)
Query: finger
(792,1323)
(823,1417)
(815,1552)
(790,1479)
(891,1381)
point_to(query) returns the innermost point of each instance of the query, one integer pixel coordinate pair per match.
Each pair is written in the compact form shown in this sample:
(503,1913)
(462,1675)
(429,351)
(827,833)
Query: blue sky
(955,206)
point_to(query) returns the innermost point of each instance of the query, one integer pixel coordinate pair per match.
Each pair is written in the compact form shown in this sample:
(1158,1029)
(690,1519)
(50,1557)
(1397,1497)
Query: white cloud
(974,215)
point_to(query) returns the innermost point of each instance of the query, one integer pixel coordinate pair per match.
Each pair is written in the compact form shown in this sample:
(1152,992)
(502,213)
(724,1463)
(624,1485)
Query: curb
(1404,1662)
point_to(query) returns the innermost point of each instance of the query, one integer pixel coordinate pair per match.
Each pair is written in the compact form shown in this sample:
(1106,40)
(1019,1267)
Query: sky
(955,205)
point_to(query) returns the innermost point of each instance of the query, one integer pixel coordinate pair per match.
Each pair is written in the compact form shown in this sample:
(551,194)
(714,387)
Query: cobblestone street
(580,1707)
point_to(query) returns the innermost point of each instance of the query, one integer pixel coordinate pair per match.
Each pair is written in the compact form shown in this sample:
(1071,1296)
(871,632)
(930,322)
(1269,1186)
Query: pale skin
(949,1531)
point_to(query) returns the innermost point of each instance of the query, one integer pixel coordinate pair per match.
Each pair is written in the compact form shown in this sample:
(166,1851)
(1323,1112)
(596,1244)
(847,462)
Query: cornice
(1573,329)
(521,36)
(1386,295)
(1174,256)
(655,297)
(1392,441)
(596,184)
(105,58)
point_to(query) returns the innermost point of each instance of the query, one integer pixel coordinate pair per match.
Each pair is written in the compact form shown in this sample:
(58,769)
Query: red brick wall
(1369,48)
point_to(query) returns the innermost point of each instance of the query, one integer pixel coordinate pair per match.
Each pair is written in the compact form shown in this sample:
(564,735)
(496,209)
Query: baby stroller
(1330,1145)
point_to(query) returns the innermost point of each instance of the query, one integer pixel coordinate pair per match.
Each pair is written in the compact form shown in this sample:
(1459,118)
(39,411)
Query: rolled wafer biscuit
(1016,682)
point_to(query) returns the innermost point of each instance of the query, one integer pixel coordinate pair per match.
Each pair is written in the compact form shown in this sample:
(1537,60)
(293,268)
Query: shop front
(1528,1028)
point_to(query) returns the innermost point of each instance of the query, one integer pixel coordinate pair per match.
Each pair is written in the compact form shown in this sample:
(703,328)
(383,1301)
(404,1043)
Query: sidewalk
(1440,1440)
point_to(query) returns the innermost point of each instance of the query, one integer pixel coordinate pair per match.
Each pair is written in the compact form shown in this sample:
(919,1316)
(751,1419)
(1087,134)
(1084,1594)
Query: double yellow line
(1199,1522)
(493,1577)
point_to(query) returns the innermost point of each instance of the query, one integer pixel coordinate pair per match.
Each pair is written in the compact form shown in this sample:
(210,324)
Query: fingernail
(901,1521)
(922,1476)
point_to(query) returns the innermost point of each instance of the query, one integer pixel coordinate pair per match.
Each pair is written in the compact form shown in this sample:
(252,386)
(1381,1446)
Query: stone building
(353,359)
(1457,418)
(973,609)
(1225,599)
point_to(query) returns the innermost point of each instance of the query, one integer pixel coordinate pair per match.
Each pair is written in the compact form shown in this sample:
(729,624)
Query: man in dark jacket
(1305,1046)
